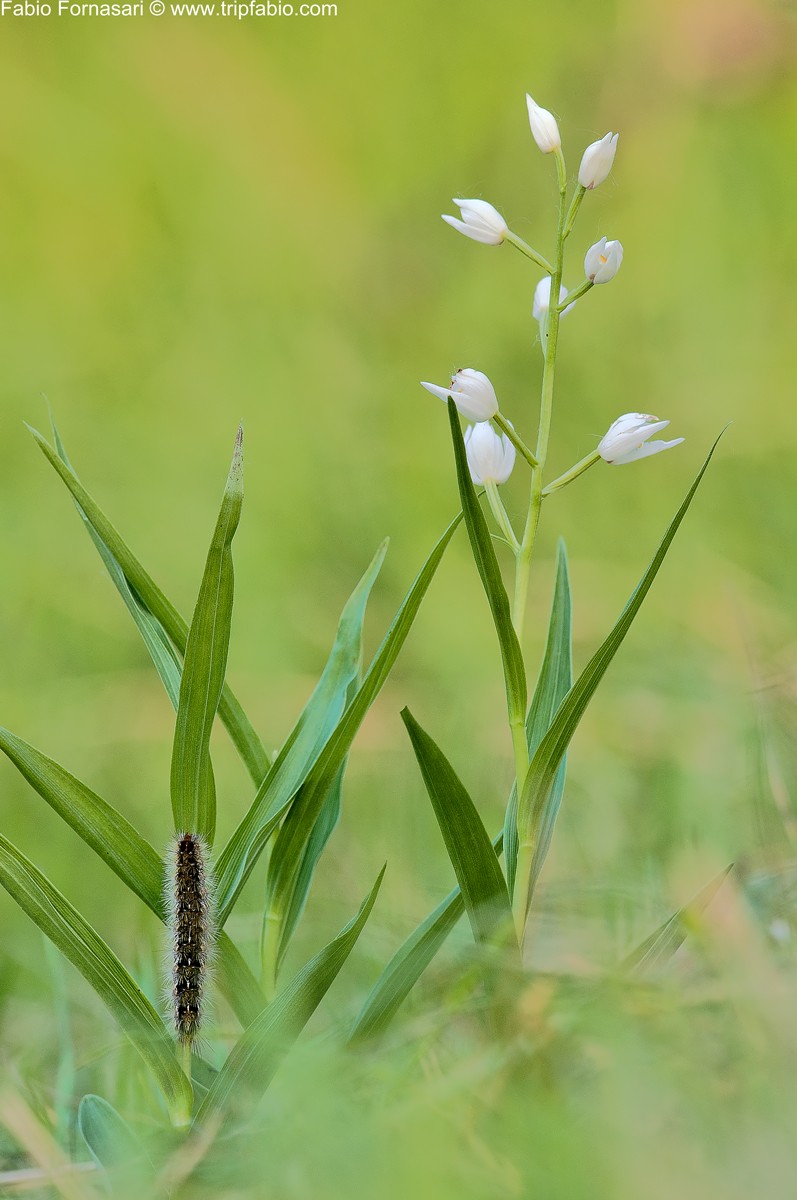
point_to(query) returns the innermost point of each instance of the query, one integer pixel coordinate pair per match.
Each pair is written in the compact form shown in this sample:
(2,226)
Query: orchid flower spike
(472,393)
(542,298)
(480,221)
(602,261)
(597,161)
(490,457)
(627,439)
(544,129)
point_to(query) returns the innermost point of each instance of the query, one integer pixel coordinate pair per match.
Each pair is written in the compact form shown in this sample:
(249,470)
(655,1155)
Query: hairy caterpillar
(189,899)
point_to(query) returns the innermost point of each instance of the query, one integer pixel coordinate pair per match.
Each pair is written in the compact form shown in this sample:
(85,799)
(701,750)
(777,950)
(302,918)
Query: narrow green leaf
(152,599)
(161,651)
(316,844)
(408,964)
(475,863)
(127,853)
(254,1059)
(535,799)
(192,785)
(241,853)
(555,680)
(288,883)
(487,564)
(76,939)
(114,1146)
(669,937)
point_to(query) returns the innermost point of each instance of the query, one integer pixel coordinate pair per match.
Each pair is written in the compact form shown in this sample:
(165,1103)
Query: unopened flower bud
(472,393)
(542,298)
(490,457)
(544,129)
(627,439)
(480,221)
(602,261)
(597,161)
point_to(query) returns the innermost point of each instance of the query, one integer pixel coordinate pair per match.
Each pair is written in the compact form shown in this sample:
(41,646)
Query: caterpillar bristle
(189,888)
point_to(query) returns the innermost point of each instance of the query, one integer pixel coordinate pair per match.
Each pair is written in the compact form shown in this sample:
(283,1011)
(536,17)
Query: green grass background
(203,220)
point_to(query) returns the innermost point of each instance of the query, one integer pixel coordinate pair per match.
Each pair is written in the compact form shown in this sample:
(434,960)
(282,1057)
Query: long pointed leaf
(76,939)
(475,863)
(553,684)
(408,964)
(192,786)
(254,1059)
(128,855)
(241,852)
(669,937)
(487,564)
(155,602)
(289,882)
(545,764)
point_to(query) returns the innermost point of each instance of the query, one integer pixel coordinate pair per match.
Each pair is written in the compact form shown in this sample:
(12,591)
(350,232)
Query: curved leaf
(152,599)
(95,960)
(487,564)
(669,937)
(127,853)
(475,863)
(114,1146)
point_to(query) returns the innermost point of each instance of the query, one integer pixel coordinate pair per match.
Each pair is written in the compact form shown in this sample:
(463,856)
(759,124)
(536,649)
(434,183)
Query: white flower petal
(645,451)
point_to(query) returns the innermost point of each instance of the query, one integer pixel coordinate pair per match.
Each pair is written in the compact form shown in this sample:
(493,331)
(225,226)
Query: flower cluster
(491,455)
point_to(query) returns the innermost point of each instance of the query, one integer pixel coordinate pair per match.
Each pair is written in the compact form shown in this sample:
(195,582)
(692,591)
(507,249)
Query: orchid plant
(492,447)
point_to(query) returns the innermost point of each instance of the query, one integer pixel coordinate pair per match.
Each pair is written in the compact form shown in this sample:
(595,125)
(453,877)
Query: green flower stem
(528,250)
(546,406)
(523,561)
(501,515)
(577,469)
(515,439)
(571,297)
(575,205)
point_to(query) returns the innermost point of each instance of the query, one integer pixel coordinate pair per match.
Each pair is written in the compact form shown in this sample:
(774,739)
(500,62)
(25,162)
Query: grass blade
(241,853)
(127,853)
(535,799)
(487,564)
(475,863)
(408,964)
(669,937)
(254,1059)
(554,682)
(76,939)
(192,786)
(152,599)
(114,1146)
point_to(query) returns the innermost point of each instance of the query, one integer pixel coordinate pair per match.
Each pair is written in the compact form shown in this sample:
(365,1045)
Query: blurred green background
(205,220)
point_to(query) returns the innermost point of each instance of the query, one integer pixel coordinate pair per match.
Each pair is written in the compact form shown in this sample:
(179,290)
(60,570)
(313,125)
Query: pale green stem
(571,297)
(577,469)
(529,251)
(523,562)
(515,439)
(575,204)
(501,515)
